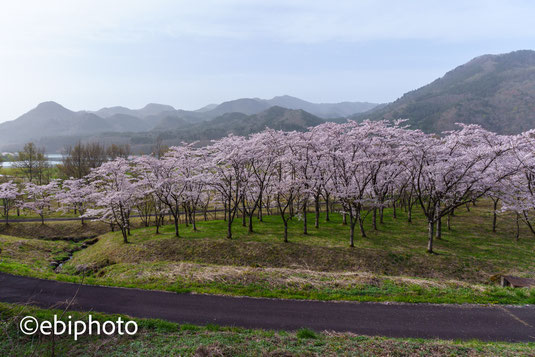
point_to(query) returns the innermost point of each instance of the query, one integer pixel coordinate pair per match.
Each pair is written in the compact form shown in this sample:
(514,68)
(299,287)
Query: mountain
(495,91)
(170,121)
(108,112)
(206,108)
(50,119)
(124,122)
(153,109)
(255,105)
(247,106)
(149,109)
(277,118)
(323,110)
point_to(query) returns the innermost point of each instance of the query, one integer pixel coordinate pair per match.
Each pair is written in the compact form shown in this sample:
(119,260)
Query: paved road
(394,320)
(67,219)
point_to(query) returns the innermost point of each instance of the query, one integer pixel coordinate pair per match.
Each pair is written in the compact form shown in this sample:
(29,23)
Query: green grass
(162,338)
(390,265)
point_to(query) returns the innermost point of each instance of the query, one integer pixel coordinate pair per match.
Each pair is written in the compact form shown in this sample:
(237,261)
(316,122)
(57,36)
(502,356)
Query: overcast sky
(92,54)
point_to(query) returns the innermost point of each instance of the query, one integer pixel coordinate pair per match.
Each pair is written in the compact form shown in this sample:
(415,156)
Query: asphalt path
(67,219)
(490,323)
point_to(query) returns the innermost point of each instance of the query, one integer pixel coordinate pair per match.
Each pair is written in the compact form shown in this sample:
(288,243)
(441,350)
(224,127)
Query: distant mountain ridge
(174,130)
(323,110)
(50,119)
(149,109)
(494,91)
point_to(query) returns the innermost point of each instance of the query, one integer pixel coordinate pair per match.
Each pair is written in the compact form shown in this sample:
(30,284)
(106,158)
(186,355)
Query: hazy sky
(92,54)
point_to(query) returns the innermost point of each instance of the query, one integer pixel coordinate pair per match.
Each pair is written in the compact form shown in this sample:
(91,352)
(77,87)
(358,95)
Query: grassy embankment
(161,338)
(389,265)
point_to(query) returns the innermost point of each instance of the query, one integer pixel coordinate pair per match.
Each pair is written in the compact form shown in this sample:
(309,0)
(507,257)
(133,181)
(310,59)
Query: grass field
(390,265)
(161,338)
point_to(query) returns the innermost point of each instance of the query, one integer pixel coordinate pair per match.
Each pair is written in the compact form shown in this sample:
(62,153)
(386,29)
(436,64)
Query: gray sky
(92,54)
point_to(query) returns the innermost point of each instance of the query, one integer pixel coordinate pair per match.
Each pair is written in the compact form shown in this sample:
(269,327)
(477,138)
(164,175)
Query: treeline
(77,161)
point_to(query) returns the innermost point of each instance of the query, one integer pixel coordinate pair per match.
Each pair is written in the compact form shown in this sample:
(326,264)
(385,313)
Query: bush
(306,333)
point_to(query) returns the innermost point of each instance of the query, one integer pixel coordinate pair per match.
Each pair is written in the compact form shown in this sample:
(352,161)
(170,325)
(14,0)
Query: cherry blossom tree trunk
(439,228)
(243,215)
(352,223)
(374,219)
(260,213)
(317,211)
(517,235)
(176,217)
(361,225)
(125,235)
(327,210)
(305,219)
(381,215)
(528,223)
(430,235)
(229,228)
(250,229)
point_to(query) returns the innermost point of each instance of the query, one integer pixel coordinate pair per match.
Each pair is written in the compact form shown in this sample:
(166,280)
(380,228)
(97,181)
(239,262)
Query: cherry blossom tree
(9,194)
(114,193)
(517,192)
(39,198)
(354,167)
(149,171)
(191,165)
(454,170)
(167,182)
(258,170)
(75,194)
(228,175)
(286,184)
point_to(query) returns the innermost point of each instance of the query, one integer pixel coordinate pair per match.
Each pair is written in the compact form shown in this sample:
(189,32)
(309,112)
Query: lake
(53,160)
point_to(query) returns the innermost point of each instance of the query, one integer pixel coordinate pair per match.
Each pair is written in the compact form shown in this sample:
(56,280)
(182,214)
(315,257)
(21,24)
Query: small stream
(57,264)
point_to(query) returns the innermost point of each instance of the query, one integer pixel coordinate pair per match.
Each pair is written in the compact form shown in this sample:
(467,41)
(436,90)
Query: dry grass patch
(110,250)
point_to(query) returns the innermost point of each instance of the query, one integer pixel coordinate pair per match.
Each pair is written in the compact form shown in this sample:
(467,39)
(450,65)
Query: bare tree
(32,162)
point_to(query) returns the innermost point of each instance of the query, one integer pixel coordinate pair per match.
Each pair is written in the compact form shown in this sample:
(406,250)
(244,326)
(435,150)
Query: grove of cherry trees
(363,167)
